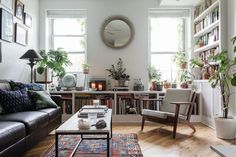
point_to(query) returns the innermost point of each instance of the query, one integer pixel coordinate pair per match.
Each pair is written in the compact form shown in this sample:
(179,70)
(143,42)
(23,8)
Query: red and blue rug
(123,145)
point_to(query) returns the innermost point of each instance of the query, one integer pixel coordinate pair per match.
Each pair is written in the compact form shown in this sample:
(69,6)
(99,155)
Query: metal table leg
(56,145)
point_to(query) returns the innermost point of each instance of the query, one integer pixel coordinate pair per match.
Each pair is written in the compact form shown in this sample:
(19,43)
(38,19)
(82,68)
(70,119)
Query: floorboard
(156,141)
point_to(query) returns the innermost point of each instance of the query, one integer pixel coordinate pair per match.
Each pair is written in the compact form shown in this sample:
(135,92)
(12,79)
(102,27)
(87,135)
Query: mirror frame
(122,18)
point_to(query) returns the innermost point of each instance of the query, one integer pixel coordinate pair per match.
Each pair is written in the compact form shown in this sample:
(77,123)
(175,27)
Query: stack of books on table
(90,109)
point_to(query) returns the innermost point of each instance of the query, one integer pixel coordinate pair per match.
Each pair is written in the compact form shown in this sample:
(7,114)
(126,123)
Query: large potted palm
(223,78)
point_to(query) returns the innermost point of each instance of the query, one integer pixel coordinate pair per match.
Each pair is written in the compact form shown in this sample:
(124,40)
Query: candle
(93,85)
(100,87)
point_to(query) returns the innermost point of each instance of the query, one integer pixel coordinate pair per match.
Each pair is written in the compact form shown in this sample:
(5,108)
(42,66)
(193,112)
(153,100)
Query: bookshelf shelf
(207,11)
(207,47)
(208,29)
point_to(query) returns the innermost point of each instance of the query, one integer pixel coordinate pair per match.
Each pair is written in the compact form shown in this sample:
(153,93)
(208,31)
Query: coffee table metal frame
(107,133)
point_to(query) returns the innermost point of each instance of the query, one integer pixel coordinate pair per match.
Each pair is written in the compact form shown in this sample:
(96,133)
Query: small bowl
(93,89)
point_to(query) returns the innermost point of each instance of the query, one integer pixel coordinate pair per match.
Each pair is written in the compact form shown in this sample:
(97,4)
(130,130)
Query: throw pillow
(41,99)
(17,85)
(15,101)
(34,87)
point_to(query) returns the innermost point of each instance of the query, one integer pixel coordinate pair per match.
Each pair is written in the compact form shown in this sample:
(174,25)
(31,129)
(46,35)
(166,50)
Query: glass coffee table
(70,127)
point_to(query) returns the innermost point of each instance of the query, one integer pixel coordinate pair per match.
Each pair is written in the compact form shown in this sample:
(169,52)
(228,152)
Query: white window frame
(166,13)
(52,36)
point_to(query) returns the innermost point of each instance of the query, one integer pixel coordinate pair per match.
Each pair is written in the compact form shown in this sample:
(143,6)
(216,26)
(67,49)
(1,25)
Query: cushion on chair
(32,119)
(176,95)
(10,133)
(158,114)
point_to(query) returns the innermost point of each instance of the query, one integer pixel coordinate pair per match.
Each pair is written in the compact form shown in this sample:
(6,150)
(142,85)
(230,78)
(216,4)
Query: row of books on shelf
(202,7)
(208,38)
(209,19)
(206,54)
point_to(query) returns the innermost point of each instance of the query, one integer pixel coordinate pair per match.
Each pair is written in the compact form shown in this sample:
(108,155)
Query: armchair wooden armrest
(146,99)
(183,103)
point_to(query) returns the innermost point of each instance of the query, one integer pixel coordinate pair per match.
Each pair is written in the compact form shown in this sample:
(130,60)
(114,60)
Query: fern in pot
(224,78)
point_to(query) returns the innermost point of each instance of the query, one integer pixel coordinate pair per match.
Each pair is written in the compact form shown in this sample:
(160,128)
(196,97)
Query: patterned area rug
(123,145)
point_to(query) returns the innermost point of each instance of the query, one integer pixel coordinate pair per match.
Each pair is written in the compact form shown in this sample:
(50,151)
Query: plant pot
(184,85)
(159,87)
(183,65)
(126,83)
(225,127)
(114,83)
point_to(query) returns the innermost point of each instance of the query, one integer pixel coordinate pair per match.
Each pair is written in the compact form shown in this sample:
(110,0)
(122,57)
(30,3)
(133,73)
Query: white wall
(135,56)
(12,67)
(231,31)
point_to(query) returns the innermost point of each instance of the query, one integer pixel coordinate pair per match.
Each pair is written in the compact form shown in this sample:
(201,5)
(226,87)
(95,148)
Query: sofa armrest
(57,99)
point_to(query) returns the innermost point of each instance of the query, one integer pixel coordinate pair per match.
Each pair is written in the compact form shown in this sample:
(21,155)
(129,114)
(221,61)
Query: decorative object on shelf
(117,72)
(95,82)
(154,76)
(7,3)
(21,35)
(69,81)
(224,77)
(27,20)
(117,32)
(85,68)
(166,85)
(32,56)
(197,67)
(138,85)
(6,25)
(19,10)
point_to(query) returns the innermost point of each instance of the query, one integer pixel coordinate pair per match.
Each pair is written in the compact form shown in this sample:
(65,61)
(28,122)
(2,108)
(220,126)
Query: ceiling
(179,2)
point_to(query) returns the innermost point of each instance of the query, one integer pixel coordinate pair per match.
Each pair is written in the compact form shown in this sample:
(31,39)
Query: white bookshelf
(207,29)
(207,47)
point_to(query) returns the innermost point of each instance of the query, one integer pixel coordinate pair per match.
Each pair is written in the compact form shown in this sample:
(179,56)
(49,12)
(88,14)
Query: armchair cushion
(176,95)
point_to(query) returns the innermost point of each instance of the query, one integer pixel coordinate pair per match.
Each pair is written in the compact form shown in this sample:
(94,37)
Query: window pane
(70,44)
(69,26)
(77,60)
(164,62)
(166,34)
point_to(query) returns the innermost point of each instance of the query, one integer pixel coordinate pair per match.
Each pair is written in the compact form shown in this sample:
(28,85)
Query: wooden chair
(176,106)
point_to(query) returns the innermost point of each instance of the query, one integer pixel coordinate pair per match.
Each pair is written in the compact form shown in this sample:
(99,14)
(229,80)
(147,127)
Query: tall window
(167,37)
(68,31)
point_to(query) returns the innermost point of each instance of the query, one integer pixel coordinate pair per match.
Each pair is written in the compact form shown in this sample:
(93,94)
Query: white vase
(225,127)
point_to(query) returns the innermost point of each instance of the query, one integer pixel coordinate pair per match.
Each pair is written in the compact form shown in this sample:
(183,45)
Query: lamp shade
(31,55)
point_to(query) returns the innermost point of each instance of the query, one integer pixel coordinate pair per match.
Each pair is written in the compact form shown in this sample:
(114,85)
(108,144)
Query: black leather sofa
(20,131)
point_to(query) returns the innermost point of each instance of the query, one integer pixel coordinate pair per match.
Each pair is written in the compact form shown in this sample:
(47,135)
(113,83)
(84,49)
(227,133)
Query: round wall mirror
(117,32)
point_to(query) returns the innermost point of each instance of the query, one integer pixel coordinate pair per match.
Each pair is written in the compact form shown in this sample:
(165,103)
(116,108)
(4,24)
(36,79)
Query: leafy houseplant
(56,60)
(154,76)
(117,72)
(224,78)
(180,60)
(85,68)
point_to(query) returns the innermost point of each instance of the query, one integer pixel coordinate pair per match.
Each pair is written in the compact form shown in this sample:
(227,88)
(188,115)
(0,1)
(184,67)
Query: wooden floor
(156,141)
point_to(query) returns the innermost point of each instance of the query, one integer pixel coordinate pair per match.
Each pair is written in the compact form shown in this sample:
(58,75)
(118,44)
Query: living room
(139,61)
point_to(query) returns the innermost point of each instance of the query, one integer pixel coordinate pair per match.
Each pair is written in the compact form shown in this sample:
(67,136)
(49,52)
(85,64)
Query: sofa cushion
(10,133)
(15,101)
(41,99)
(30,86)
(52,112)
(17,85)
(33,120)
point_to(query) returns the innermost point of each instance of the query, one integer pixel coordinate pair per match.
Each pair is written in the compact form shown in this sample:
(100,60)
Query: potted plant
(180,60)
(226,125)
(154,76)
(56,60)
(85,68)
(118,75)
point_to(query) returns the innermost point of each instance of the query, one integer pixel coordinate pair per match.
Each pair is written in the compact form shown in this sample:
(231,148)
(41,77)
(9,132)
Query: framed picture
(19,10)
(27,20)
(21,35)
(0,52)
(6,25)
(7,3)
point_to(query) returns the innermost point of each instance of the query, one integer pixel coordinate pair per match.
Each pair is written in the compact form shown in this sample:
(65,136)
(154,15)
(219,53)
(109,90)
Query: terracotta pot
(211,70)
(184,65)
(205,75)
(184,85)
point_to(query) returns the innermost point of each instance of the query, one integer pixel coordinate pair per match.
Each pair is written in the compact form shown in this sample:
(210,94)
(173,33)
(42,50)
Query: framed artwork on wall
(19,10)
(21,35)
(27,20)
(0,52)
(6,25)
(7,3)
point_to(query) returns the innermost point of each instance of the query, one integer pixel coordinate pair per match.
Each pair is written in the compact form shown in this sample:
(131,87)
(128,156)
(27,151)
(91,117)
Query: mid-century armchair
(176,106)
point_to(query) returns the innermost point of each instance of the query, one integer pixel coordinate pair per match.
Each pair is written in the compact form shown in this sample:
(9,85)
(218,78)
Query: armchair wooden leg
(143,121)
(174,130)
(176,119)
(191,126)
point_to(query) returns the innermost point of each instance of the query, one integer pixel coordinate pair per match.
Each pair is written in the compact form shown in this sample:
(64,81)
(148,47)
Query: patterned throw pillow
(41,99)
(17,85)
(34,87)
(15,101)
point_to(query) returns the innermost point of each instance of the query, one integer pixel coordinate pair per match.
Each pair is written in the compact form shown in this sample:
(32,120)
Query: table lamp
(32,56)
